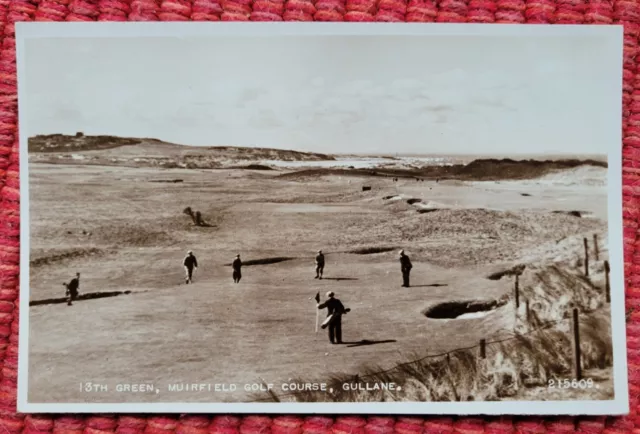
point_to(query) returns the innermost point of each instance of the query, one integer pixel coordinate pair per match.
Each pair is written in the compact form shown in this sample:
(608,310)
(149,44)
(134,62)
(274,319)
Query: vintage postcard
(326,218)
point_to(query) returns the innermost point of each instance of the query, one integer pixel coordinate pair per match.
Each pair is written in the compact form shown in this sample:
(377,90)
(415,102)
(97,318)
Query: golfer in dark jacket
(405,267)
(319,264)
(237,273)
(190,263)
(337,309)
(72,289)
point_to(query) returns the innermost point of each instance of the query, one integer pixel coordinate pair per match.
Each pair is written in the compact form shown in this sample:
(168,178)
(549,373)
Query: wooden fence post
(607,288)
(517,291)
(586,257)
(483,349)
(596,251)
(577,368)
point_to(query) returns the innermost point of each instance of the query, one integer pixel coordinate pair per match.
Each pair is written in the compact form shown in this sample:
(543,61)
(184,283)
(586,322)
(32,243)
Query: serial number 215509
(571,384)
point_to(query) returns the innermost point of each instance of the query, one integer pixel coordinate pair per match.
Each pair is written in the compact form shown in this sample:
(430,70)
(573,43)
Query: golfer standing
(190,263)
(335,309)
(237,272)
(72,289)
(319,265)
(405,268)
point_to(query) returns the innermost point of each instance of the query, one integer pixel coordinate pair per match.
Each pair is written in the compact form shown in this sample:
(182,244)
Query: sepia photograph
(345,218)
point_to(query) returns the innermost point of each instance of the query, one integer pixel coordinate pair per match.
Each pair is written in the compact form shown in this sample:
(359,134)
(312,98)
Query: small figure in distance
(237,266)
(335,310)
(319,265)
(190,263)
(405,267)
(72,289)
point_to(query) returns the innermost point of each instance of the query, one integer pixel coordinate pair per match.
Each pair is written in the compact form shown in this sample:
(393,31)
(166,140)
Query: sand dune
(146,152)
(132,152)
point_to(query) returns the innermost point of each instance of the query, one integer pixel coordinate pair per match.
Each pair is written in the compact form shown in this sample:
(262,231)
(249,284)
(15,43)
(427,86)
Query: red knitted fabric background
(626,12)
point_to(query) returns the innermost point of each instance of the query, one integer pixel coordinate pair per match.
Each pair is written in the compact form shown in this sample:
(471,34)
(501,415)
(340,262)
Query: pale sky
(334,94)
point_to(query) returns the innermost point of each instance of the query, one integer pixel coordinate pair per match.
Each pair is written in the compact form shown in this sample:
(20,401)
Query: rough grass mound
(65,255)
(130,234)
(61,142)
(478,170)
(462,237)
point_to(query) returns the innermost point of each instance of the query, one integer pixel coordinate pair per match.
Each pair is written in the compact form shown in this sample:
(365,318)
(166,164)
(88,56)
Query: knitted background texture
(626,12)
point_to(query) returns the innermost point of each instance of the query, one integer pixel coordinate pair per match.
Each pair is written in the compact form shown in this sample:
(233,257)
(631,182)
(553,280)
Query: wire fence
(545,326)
(539,326)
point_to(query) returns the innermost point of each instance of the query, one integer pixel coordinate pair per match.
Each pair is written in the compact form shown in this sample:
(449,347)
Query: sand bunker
(264,261)
(516,270)
(372,250)
(426,207)
(464,309)
(255,167)
(394,197)
(87,296)
(571,213)
(427,210)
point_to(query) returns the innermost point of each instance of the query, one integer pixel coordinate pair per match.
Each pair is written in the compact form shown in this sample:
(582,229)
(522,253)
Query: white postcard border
(618,406)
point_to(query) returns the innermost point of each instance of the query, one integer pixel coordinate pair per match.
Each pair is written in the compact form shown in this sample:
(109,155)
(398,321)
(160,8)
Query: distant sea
(411,161)
(467,158)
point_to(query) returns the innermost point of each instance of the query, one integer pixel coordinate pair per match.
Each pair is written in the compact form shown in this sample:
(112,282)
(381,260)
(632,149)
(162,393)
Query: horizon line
(369,154)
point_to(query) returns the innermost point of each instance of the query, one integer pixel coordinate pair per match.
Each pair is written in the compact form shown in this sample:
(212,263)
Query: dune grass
(511,366)
(537,351)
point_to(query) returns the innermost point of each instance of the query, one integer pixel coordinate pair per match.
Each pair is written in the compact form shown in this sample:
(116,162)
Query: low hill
(79,142)
(145,152)
(478,170)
